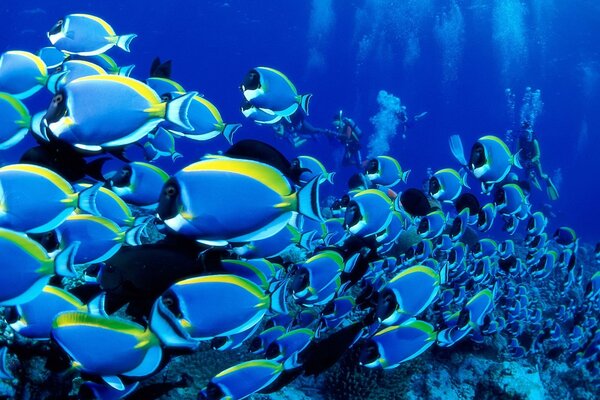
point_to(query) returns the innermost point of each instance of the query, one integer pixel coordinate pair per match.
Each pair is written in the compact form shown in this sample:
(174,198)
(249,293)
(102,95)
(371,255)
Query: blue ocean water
(453,59)
(468,64)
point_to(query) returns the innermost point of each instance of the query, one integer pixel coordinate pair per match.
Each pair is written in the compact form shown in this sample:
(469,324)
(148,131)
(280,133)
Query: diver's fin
(457,149)
(551,190)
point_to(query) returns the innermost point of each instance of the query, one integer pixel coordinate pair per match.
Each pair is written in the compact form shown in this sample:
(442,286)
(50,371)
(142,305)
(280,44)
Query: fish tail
(405,175)
(229,130)
(65,260)
(463,179)
(304,101)
(177,110)
(133,236)
(514,160)
(278,296)
(176,155)
(126,70)
(308,199)
(124,41)
(329,177)
(86,199)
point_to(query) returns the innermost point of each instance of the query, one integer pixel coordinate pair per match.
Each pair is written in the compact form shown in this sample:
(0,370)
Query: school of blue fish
(389,270)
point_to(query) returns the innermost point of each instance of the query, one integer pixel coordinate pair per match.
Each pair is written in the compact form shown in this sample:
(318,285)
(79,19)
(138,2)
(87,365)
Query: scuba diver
(529,155)
(297,129)
(406,122)
(348,134)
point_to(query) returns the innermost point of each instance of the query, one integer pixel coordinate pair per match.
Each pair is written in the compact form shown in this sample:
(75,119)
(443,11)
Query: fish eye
(169,299)
(171,191)
(58,98)
(60,22)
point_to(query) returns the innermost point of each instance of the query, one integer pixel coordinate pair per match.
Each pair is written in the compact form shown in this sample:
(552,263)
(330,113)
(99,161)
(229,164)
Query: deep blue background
(548,45)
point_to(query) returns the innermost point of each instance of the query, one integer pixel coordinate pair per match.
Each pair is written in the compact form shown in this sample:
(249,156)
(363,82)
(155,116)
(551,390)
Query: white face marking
(479,172)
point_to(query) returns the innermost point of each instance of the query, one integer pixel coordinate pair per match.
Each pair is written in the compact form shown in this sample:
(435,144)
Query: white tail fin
(124,41)
(177,110)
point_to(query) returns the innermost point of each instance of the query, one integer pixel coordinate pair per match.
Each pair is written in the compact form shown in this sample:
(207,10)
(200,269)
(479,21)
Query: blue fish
(446,184)
(316,276)
(107,346)
(187,313)
(70,70)
(107,63)
(139,183)
(408,294)
(263,340)
(164,86)
(537,223)
(386,171)
(205,122)
(368,213)
(486,216)
(506,248)
(432,225)
(22,74)
(99,238)
(510,199)
(36,316)
(242,380)
(51,56)
(491,161)
(104,111)
(29,267)
(234,341)
(479,306)
(109,205)
(314,168)
(566,237)
(272,246)
(224,213)
(86,35)
(15,121)
(259,116)
(34,199)
(592,289)
(287,346)
(160,144)
(272,92)
(397,344)
(485,247)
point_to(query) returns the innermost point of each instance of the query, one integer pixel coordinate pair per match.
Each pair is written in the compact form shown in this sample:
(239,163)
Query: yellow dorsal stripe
(263,173)
(38,61)
(417,268)
(213,110)
(16,104)
(46,173)
(228,279)
(102,22)
(141,88)
(281,75)
(31,247)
